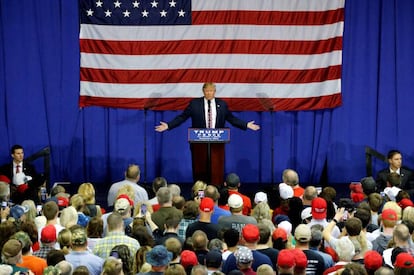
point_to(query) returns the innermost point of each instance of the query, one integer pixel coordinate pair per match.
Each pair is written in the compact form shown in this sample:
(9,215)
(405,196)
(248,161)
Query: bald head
(290,177)
(133,172)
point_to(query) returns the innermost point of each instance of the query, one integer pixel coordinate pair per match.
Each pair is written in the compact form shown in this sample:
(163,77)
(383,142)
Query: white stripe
(210,61)
(205,32)
(224,90)
(264,5)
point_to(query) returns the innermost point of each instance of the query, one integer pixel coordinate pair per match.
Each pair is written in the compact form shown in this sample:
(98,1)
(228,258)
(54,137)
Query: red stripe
(239,104)
(216,75)
(210,46)
(268,17)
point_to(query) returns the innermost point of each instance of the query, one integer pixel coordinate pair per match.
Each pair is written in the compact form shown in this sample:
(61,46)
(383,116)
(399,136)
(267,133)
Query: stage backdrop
(39,82)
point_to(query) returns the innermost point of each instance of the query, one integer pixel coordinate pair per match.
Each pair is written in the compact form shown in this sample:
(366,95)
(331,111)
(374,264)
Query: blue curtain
(39,82)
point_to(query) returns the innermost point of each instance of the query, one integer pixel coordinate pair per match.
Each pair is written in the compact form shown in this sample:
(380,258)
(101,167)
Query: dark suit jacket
(195,111)
(406,176)
(32,192)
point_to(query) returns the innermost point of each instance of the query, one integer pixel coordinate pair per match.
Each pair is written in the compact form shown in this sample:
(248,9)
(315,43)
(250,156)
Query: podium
(207,153)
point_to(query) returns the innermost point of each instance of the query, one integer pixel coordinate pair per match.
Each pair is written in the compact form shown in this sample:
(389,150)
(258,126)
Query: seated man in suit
(395,165)
(25,181)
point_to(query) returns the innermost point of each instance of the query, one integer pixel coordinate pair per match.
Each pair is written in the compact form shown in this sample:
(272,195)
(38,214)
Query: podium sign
(204,135)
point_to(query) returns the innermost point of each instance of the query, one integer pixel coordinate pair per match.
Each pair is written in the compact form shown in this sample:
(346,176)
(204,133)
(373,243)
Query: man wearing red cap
(204,221)
(319,212)
(404,263)
(250,238)
(48,241)
(286,262)
(389,220)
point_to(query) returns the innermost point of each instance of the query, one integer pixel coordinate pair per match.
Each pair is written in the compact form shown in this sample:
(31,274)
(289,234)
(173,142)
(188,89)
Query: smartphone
(3,204)
(346,215)
(39,209)
(201,194)
(143,209)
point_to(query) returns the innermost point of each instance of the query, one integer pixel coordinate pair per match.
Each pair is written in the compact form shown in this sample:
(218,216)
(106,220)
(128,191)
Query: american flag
(262,54)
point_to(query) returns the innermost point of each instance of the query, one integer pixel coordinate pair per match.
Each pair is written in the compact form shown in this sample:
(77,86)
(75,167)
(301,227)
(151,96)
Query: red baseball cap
(372,260)
(301,260)
(125,196)
(319,207)
(404,260)
(279,233)
(250,233)
(48,234)
(5,179)
(206,204)
(286,259)
(389,215)
(188,258)
(405,203)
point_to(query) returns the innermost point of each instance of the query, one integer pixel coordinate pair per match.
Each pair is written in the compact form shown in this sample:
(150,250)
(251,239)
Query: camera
(201,194)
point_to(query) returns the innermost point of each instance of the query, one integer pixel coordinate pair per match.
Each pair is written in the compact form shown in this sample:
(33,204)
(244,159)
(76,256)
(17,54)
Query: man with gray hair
(291,178)
(164,197)
(308,195)
(65,268)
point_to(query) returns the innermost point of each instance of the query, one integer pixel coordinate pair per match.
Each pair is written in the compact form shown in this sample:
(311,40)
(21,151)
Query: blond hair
(87,191)
(394,206)
(126,190)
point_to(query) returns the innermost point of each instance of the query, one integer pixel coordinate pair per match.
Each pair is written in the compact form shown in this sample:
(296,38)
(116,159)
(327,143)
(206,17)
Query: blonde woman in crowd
(126,190)
(78,203)
(197,191)
(87,191)
(112,266)
(261,212)
(32,213)
(408,214)
(65,240)
(68,217)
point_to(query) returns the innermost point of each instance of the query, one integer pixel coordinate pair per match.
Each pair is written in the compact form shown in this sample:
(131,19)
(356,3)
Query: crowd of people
(217,230)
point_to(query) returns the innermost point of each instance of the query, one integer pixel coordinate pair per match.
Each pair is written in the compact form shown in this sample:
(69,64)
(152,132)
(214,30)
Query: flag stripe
(208,61)
(267,18)
(210,32)
(273,104)
(199,75)
(211,46)
(226,90)
(266,5)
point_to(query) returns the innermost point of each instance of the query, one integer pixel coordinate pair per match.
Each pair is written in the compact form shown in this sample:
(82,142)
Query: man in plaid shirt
(115,236)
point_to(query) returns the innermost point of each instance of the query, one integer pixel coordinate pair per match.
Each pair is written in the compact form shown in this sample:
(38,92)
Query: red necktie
(17,169)
(209,114)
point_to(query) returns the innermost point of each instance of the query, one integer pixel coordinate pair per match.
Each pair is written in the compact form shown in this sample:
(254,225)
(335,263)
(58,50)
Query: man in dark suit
(395,165)
(207,112)
(24,180)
